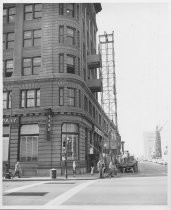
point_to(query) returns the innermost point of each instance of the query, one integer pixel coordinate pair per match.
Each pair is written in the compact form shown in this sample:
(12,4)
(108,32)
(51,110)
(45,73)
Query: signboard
(10,120)
(98,131)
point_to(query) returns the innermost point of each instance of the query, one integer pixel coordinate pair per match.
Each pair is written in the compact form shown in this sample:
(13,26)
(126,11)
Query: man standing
(17,170)
(100,168)
(92,168)
(74,168)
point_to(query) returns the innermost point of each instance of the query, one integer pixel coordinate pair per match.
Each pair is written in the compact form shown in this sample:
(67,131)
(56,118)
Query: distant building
(149,144)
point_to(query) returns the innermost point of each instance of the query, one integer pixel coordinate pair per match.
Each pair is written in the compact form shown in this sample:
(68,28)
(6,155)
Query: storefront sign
(98,131)
(10,120)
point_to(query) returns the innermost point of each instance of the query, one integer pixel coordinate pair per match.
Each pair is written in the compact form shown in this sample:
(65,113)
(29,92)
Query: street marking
(66,195)
(23,187)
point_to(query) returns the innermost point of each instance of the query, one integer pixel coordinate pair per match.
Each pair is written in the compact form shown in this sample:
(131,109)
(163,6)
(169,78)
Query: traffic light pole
(66,169)
(66,172)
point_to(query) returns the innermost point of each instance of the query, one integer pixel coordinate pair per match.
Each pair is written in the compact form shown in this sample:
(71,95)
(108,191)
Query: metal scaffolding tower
(108,95)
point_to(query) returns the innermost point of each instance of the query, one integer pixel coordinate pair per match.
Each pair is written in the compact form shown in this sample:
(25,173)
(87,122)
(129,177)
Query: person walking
(74,168)
(111,169)
(17,170)
(92,168)
(115,171)
(100,168)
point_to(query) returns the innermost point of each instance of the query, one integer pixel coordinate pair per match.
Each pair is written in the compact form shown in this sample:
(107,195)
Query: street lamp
(10,123)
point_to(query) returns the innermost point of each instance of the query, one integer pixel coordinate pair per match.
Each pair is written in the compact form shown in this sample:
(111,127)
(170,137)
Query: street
(147,187)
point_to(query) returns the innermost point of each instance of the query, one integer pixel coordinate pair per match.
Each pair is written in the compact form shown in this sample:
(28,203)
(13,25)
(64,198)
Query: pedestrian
(92,168)
(8,173)
(111,169)
(17,170)
(115,169)
(100,168)
(74,168)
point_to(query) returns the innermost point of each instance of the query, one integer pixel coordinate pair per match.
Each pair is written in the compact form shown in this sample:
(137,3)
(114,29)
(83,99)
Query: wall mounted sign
(10,120)
(98,131)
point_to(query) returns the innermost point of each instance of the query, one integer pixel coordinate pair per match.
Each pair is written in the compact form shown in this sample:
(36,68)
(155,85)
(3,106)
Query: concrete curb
(50,179)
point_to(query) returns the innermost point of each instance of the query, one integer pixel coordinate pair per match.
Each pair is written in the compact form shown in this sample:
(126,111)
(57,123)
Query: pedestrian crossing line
(66,195)
(24,187)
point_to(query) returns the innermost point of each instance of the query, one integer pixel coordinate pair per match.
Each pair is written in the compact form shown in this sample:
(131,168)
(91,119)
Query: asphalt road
(147,187)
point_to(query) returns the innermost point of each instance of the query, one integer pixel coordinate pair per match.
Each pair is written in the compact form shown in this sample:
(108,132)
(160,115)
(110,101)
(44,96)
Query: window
(61,9)
(30,98)
(84,52)
(70,36)
(7,100)
(100,119)
(61,96)
(32,38)
(9,15)
(29,148)
(32,11)
(70,133)
(70,10)
(87,40)
(61,63)
(93,112)
(83,29)
(29,135)
(85,103)
(79,98)
(90,108)
(84,71)
(71,97)
(31,66)
(79,70)
(8,40)
(96,116)
(70,64)
(78,38)
(61,34)
(78,11)
(104,125)
(4,41)
(92,48)
(9,68)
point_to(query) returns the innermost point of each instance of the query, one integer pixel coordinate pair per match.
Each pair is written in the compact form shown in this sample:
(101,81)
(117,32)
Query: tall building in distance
(152,144)
(50,87)
(149,144)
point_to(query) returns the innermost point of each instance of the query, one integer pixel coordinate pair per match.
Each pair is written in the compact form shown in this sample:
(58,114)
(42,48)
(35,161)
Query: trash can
(53,173)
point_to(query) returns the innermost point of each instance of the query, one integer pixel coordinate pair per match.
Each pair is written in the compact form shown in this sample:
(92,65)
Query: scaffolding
(107,73)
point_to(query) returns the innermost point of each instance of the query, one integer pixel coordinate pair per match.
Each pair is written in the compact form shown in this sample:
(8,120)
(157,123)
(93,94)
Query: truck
(128,163)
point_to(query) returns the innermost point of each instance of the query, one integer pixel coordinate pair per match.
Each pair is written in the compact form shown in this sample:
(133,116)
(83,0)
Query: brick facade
(49,81)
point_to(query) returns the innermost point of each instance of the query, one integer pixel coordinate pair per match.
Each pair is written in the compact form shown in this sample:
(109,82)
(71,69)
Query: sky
(143,77)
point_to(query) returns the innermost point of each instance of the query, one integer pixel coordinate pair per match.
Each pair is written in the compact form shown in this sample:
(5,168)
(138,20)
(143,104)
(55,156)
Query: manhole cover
(26,194)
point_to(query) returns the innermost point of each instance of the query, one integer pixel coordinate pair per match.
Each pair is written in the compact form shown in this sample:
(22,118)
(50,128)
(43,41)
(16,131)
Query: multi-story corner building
(50,86)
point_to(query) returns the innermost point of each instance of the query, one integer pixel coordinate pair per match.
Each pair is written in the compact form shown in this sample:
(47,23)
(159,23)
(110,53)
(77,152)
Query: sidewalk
(86,176)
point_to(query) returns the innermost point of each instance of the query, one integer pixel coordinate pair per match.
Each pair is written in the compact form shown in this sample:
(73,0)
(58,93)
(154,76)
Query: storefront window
(6,130)
(70,140)
(29,142)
